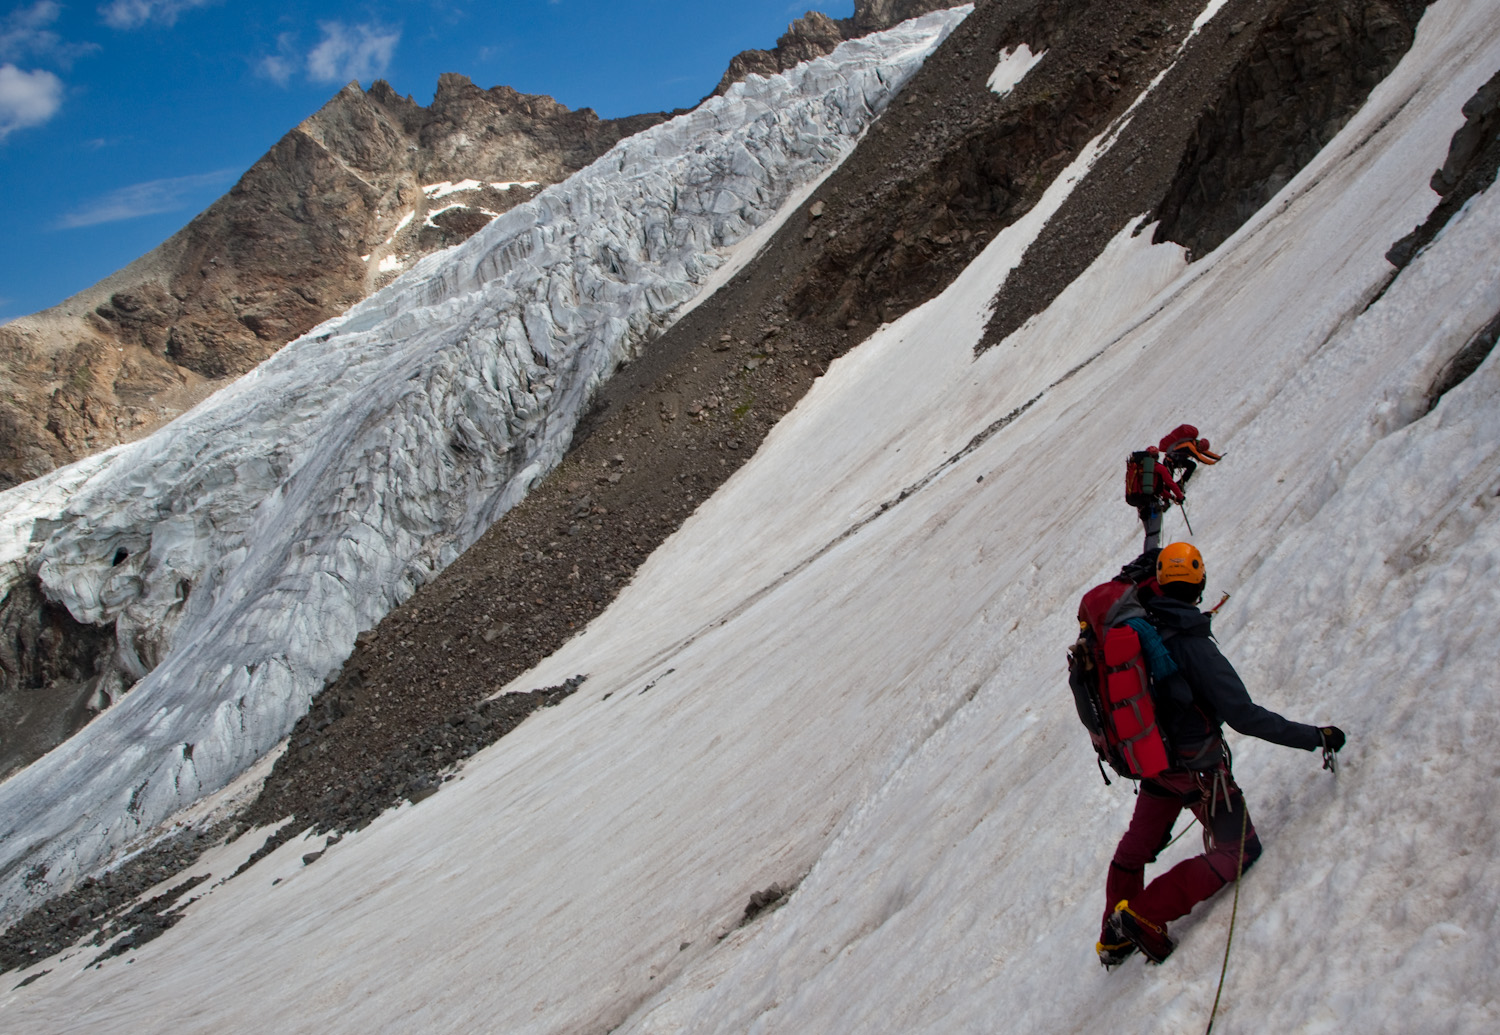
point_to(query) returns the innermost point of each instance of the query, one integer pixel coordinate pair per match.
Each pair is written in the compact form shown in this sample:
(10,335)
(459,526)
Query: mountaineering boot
(1146,935)
(1113,947)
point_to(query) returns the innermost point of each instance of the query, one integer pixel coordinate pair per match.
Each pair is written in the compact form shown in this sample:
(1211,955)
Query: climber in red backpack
(1195,690)
(1156,476)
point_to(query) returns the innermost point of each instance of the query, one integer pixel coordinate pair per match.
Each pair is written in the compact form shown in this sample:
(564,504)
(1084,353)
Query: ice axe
(1330,757)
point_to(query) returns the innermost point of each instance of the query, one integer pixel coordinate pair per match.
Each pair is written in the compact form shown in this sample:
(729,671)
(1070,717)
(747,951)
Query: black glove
(1333,737)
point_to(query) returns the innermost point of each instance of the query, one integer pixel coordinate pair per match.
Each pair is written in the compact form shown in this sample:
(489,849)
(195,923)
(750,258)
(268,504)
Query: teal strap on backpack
(1158,658)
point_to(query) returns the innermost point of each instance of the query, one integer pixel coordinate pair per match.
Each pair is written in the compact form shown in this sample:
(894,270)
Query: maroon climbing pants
(1220,809)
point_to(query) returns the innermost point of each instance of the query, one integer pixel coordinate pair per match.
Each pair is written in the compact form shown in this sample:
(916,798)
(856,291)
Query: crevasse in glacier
(239,550)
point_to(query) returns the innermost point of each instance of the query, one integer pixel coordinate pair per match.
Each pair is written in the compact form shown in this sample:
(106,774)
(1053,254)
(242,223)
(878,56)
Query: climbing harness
(1220,785)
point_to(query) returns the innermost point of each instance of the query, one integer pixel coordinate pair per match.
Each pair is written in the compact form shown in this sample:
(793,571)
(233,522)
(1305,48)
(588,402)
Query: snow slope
(240,550)
(860,687)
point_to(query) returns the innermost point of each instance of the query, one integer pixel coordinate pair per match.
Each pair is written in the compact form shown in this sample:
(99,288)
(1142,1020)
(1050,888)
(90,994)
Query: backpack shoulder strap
(1124,609)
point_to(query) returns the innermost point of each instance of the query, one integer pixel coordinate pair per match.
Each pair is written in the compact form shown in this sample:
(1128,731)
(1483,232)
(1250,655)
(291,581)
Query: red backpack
(1149,482)
(1112,686)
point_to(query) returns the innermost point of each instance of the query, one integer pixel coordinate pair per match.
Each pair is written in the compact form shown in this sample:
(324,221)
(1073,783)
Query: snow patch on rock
(447,187)
(436,191)
(1207,14)
(1012,68)
(434,213)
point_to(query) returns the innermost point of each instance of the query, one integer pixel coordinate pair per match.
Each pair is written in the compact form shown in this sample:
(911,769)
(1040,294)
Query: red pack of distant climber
(1155,477)
(1183,440)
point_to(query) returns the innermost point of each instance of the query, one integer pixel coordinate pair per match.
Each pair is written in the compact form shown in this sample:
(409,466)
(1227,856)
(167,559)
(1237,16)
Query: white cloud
(351,52)
(277,69)
(132,14)
(145,199)
(281,66)
(27,98)
(26,32)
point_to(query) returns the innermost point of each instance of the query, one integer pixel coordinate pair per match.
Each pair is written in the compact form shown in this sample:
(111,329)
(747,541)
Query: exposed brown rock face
(50,668)
(1329,54)
(332,212)
(963,163)
(1259,92)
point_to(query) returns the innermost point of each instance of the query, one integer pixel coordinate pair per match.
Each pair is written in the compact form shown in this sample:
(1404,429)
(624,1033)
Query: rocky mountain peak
(874,15)
(338,207)
(815,34)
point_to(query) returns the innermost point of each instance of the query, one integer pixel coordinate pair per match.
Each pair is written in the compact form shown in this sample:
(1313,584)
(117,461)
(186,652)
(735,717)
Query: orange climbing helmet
(1180,562)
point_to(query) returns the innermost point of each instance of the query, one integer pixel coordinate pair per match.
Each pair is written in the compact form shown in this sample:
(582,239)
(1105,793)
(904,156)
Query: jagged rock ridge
(816,34)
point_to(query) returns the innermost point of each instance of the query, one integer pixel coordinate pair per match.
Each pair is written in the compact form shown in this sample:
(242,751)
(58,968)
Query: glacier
(238,551)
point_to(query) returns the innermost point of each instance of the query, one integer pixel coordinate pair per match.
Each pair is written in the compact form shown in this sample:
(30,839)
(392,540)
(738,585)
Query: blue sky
(121,119)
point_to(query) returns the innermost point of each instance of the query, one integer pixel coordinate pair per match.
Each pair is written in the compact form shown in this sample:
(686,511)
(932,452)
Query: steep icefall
(238,551)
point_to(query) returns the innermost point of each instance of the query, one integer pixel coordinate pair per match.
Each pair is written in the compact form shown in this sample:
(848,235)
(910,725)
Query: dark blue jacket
(1206,691)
